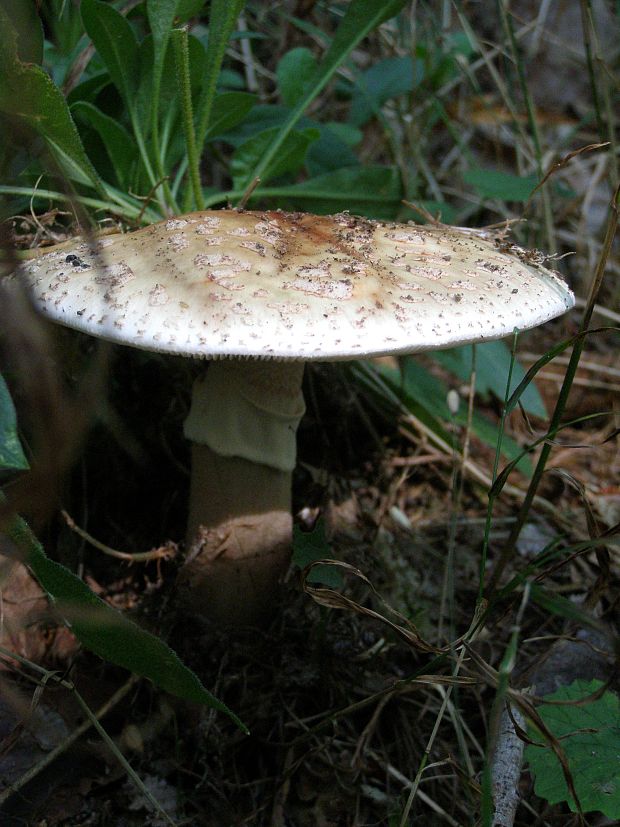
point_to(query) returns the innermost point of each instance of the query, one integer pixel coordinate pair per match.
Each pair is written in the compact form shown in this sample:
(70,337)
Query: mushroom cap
(294,286)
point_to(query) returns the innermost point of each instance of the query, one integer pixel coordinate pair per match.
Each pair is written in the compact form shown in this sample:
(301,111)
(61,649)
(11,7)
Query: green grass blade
(222,19)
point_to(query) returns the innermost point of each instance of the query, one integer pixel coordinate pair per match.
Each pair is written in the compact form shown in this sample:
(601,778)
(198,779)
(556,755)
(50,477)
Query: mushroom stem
(242,423)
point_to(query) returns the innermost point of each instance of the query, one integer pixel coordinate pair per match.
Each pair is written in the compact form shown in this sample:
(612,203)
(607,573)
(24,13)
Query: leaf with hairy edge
(107,632)
(27,24)
(29,94)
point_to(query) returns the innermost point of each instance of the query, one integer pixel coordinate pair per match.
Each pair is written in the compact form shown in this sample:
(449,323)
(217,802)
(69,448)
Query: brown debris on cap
(293,286)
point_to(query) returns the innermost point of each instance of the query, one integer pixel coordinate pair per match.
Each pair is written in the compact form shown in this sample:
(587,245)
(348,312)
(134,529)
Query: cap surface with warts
(293,286)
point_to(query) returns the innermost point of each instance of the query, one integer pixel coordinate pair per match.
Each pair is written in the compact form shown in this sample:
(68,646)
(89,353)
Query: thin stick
(163,552)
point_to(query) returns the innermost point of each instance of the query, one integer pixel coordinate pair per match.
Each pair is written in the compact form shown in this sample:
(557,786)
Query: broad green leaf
(360,18)
(107,632)
(375,192)
(290,158)
(169,103)
(260,118)
(309,546)
(29,94)
(401,395)
(293,72)
(329,153)
(12,456)
(229,109)
(490,183)
(492,368)
(116,139)
(589,735)
(116,45)
(189,8)
(161,14)
(27,24)
(89,89)
(430,393)
(387,79)
(348,134)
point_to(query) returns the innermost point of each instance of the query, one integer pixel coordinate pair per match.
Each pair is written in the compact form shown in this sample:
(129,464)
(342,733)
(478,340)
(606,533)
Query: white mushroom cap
(294,286)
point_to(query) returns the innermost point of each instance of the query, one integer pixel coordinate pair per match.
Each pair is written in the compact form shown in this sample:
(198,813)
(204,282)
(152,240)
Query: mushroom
(260,293)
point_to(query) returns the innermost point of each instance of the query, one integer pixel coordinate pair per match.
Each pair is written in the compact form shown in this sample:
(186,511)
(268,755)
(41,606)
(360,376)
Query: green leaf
(293,72)
(27,24)
(489,183)
(589,734)
(29,94)
(375,192)
(329,153)
(348,134)
(401,395)
(492,367)
(12,456)
(223,15)
(361,17)
(189,8)
(421,389)
(229,109)
(161,14)
(116,45)
(89,89)
(107,632)
(116,139)
(561,606)
(387,79)
(309,546)
(290,158)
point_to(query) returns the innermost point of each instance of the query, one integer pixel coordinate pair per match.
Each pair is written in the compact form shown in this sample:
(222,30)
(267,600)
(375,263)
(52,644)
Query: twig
(247,194)
(163,552)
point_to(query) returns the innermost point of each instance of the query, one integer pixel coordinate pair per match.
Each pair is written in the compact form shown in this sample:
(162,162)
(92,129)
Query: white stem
(243,423)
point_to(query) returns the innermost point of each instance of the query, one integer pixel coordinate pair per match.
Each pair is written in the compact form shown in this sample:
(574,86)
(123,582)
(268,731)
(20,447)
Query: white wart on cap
(294,286)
